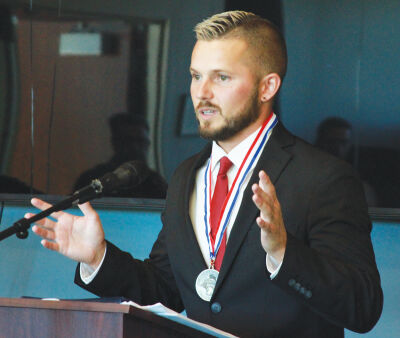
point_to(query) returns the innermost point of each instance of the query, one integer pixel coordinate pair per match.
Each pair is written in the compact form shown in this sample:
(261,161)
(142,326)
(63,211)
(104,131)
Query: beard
(233,124)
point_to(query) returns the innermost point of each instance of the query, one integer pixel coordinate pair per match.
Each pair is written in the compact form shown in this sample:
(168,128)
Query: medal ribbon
(211,244)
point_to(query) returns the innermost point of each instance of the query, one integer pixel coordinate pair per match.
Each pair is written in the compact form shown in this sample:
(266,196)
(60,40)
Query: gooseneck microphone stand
(20,227)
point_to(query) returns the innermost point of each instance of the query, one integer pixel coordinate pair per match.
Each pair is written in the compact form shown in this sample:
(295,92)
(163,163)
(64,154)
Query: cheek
(244,92)
(191,89)
(193,94)
(238,95)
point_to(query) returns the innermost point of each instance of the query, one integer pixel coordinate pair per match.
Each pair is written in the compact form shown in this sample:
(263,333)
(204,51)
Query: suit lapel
(273,161)
(193,259)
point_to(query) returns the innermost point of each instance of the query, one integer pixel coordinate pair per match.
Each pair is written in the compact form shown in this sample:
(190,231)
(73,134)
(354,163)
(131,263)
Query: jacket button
(308,294)
(292,282)
(216,307)
(302,290)
(297,286)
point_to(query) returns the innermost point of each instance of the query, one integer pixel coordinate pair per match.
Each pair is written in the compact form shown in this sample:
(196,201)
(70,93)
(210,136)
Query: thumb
(87,209)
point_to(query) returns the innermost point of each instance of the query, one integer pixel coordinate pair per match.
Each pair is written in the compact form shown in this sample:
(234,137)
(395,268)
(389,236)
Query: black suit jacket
(328,279)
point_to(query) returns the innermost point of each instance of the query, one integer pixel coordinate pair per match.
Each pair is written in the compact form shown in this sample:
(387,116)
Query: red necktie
(220,192)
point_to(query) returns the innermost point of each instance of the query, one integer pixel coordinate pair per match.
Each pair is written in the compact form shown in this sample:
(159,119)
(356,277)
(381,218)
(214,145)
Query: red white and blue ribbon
(231,198)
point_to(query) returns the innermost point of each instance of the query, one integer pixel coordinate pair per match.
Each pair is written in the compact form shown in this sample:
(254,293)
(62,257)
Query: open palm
(80,238)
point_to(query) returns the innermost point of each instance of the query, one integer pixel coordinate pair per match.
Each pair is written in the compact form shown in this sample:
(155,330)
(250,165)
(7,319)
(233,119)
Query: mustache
(207,104)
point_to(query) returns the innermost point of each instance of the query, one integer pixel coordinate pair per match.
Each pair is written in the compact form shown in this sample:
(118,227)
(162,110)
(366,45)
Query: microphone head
(128,175)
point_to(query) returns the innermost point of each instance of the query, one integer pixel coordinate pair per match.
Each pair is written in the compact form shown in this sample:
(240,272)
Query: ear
(269,86)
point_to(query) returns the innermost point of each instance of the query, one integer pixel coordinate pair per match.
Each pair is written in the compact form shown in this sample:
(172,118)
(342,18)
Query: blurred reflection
(12,185)
(335,136)
(62,76)
(130,141)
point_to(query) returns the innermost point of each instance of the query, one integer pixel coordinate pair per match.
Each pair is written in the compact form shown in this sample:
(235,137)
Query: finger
(42,205)
(260,197)
(44,233)
(264,225)
(87,209)
(265,183)
(265,208)
(50,245)
(45,222)
(257,198)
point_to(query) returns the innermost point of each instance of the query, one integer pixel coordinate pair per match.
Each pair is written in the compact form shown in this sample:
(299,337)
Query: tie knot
(224,165)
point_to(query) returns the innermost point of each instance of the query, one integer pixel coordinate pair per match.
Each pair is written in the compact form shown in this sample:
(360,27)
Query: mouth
(207,112)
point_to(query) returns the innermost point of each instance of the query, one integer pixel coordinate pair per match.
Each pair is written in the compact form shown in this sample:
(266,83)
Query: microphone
(128,175)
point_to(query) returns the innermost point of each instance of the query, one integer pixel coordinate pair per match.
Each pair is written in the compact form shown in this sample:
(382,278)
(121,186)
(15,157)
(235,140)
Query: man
(292,256)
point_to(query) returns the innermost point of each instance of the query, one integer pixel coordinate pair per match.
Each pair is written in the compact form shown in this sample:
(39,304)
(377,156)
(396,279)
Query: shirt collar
(236,155)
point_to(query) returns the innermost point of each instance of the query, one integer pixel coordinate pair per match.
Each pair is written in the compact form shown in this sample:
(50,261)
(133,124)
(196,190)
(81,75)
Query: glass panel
(342,90)
(88,99)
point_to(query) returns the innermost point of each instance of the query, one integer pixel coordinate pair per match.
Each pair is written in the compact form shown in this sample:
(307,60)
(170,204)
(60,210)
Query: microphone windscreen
(128,175)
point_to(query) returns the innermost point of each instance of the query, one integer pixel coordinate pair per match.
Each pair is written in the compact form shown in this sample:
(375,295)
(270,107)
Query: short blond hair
(267,45)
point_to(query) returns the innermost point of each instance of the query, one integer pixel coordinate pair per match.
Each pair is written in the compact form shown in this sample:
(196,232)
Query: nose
(203,90)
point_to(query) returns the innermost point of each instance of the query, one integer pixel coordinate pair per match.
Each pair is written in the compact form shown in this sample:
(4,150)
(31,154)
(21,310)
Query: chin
(221,134)
(207,132)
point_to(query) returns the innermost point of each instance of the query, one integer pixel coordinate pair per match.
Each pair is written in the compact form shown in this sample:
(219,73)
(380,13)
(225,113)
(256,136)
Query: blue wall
(343,61)
(27,269)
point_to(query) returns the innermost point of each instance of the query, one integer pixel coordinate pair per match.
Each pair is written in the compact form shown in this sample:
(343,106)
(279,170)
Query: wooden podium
(23,317)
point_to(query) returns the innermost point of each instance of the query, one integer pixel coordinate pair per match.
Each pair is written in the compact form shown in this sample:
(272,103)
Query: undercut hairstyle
(265,41)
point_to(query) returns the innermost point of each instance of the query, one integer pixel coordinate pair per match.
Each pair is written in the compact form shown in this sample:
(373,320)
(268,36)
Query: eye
(223,77)
(195,76)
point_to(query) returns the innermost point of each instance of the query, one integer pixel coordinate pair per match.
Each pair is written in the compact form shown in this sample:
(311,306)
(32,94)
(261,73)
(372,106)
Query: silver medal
(205,283)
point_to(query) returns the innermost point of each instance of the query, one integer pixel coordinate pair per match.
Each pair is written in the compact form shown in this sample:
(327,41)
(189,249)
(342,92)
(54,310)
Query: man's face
(337,141)
(224,88)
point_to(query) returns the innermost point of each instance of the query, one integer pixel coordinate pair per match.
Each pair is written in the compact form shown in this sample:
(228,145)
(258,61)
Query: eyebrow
(191,69)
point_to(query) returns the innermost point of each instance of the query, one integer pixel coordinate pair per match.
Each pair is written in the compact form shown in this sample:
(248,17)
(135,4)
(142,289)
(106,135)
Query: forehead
(220,54)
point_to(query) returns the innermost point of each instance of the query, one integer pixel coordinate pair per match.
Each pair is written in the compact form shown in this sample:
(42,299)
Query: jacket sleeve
(144,282)
(333,270)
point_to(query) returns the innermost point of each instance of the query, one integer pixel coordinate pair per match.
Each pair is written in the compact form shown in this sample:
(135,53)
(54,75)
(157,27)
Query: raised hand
(80,238)
(270,221)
